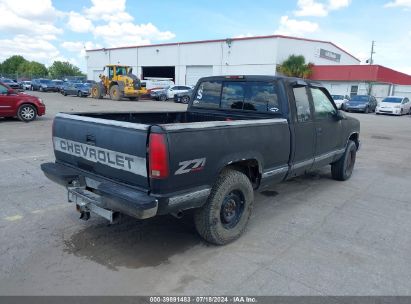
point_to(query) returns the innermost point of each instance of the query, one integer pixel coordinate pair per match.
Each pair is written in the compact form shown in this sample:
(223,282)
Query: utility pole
(371,61)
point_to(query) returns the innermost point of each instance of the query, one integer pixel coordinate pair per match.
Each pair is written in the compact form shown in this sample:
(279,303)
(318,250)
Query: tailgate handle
(91,139)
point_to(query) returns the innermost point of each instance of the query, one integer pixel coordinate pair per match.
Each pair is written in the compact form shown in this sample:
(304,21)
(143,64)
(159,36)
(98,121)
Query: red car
(25,107)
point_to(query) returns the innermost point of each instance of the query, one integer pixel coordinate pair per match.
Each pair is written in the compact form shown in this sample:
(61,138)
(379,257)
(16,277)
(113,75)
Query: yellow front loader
(117,83)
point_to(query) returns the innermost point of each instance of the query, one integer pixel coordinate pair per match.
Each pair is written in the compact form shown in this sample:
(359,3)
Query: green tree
(32,69)
(295,66)
(59,69)
(11,64)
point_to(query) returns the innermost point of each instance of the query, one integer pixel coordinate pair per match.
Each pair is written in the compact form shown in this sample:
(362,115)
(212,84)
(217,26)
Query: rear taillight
(158,156)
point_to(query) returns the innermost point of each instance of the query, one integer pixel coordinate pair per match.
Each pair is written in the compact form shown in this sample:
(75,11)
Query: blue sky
(47,30)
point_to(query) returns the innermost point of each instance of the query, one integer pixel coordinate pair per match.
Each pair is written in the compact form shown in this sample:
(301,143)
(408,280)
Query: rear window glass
(238,95)
(233,95)
(208,95)
(262,97)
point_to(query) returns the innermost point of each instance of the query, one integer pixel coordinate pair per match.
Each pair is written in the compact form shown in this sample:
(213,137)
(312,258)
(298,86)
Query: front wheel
(163,97)
(133,98)
(27,113)
(115,93)
(185,99)
(224,217)
(367,110)
(342,169)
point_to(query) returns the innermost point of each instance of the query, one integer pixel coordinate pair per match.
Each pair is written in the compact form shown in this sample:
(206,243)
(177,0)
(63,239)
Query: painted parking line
(13,218)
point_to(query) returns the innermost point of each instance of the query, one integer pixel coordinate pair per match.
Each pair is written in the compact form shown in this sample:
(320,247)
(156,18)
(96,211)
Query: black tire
(96,91)
(41,89)
(27,113)
(367,110)
(185,99)
(342,169)
(115,93)
(216,221)
(162,97)
(31,88)
(133,98)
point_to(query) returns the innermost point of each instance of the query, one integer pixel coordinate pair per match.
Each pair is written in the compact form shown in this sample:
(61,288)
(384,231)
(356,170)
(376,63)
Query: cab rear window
(238,95)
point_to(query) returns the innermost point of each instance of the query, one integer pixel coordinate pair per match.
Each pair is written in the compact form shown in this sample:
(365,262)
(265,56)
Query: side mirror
(339,115)
(10,92)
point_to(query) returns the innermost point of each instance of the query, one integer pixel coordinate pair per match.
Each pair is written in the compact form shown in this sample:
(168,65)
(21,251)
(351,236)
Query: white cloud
(78,23)
(295,27)
(109,22)
(399,3)
(108,10)
(313,8)
(310,8)
(124,34)
(22,17)
(31,48)
(338,4)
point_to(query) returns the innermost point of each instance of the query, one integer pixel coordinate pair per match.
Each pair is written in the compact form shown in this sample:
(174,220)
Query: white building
(186,62)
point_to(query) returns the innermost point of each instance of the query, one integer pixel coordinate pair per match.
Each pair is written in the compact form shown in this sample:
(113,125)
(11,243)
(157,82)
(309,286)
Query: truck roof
(262,78)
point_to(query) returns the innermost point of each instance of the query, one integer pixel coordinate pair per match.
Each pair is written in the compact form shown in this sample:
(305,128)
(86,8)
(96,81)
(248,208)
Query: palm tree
(295,66)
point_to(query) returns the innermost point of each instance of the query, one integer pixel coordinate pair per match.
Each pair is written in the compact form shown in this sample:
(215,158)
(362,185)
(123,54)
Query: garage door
(195,72)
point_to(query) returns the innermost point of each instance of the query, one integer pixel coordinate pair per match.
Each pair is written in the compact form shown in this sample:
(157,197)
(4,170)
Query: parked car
(361,103)
(239,134)
(43,85)
(26,85)
(58,84)
(11,83)
(21,105)
(159,94)
(394,105)
(340,100)
(78,89)
(168,93)
(183,97)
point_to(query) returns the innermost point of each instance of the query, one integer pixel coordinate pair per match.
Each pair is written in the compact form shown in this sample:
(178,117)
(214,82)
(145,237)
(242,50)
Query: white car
(26,85)
(340,100)
(394,105)
(169,93)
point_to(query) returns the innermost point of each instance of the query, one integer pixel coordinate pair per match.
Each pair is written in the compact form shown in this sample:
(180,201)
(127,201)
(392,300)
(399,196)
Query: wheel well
(355,138)
(250,168)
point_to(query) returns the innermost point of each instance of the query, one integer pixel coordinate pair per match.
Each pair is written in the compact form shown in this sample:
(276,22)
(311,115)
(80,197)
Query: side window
(3,89)
(407,100)
(110,72)
(208,95)
(302,103)
(322,105)
(262,97)
(233,95)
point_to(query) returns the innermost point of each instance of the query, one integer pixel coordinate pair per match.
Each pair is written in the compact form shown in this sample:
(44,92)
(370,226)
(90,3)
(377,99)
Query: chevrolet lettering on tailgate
(117,160)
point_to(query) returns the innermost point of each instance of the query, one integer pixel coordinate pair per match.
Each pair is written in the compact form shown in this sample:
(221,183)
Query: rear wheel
(133,98)
(27,113)
(342,169)
(115,93)
(96,91)
(225,215)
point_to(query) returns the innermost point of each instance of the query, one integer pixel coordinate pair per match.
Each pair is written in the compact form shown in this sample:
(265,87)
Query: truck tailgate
(108,148)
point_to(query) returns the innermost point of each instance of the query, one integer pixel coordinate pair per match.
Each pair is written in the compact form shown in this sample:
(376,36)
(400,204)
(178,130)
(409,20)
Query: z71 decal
(191,166)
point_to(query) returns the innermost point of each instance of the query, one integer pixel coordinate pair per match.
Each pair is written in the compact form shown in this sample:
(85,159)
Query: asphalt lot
(308,236)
